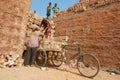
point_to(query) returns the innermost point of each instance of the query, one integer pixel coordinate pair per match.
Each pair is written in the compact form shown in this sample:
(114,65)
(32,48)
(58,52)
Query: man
(55,9)
(46,27)
(32,45)
(48,10)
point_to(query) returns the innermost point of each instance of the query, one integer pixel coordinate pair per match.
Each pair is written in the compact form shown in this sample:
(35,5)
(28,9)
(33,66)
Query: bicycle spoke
(57,59)
(41,58)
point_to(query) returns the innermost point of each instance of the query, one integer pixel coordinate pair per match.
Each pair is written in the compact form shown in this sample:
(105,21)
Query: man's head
(55,4)
(35,27)
(34,11)
(49,3)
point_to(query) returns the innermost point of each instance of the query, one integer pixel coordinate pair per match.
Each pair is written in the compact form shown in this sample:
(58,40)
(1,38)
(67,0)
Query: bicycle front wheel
(57,59)
(41,58)
(88,65)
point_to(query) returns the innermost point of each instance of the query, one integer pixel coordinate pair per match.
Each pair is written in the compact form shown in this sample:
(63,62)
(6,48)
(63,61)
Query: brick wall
(98,31)
(13,18)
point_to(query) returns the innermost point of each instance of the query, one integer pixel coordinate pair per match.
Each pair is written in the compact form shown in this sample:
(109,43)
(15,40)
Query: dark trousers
(30,56)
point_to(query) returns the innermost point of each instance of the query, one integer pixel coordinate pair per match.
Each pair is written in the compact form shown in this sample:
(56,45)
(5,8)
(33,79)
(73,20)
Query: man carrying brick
(32,45)
(46,27)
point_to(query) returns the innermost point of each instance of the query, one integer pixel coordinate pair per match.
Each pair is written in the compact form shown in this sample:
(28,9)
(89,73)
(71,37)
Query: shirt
(34,39)
(55,9)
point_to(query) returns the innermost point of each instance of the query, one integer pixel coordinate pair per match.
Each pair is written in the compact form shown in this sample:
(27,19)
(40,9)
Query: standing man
(55,9)
(48,10)
(32,45)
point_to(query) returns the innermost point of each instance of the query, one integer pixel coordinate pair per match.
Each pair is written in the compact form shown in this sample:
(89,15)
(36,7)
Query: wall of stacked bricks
(97,29)
(13,19)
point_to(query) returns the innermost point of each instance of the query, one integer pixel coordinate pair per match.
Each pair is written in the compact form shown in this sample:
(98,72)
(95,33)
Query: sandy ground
(34,73)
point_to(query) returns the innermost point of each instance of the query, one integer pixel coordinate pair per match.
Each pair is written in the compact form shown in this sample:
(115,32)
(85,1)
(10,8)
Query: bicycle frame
(79,53)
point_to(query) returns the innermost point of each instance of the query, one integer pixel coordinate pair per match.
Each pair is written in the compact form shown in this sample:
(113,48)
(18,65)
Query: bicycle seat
(76,43)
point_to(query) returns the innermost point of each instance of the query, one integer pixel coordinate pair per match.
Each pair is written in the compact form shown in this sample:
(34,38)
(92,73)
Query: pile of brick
(32,18)
(13,17)
(10,60)
(52,42)
(84,5)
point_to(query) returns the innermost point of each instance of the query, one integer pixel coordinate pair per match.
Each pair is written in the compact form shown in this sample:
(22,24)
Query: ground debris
(112,71)
(9,60)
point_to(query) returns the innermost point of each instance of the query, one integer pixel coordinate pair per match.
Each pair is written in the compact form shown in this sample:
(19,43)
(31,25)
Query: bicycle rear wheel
(88,65)
(57,59)
(41,58)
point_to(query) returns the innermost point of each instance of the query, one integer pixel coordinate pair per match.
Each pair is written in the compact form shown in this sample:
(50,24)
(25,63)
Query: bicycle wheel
(41,58)
(88,65)
(57,59)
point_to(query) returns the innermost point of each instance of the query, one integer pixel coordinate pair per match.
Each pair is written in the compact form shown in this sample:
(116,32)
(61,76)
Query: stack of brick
(32,18)
(97,29)
(84,5)
(13,19)
(50,43)
(10,60)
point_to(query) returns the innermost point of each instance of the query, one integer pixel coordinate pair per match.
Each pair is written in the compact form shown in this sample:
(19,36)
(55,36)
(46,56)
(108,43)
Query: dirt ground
(61,73)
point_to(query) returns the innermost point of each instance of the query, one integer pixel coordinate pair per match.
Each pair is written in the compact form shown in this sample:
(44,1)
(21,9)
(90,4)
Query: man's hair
(55,4)
(34,11)
(49,3)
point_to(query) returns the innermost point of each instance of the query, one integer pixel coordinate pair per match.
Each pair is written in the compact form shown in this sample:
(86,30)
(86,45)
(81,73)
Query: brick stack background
(97,28)
(94,23)
(13,19)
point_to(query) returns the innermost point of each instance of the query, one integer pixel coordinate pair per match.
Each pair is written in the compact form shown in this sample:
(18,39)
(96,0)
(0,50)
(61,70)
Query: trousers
(30,55)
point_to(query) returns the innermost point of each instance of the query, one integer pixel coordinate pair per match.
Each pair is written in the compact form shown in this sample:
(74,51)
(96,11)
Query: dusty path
(34,73)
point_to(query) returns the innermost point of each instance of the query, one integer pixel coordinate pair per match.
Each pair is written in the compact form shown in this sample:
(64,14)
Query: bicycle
(87,64)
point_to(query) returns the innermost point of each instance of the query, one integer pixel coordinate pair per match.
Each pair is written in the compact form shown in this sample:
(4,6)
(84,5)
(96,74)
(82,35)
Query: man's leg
(27,56)
(34,52)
